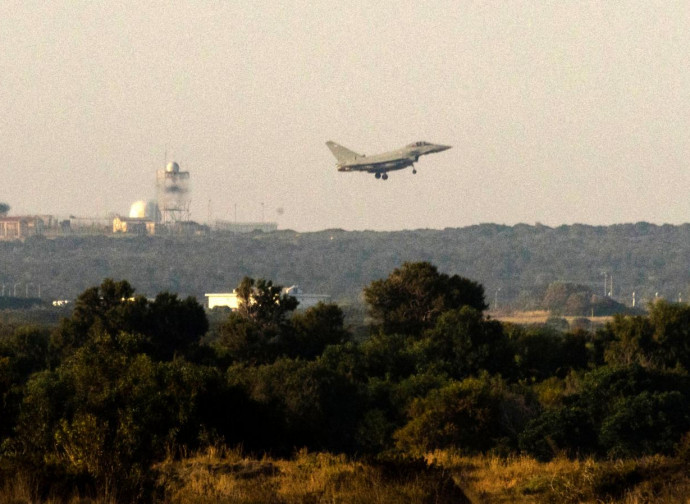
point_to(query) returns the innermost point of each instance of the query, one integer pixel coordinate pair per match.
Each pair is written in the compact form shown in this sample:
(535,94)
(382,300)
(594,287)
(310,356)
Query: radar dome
(137,210)
(172,167)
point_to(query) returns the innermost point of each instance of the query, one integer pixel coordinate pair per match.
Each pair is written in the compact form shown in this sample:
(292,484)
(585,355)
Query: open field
(540,317)
(494,480)
(230,477)
(218,475)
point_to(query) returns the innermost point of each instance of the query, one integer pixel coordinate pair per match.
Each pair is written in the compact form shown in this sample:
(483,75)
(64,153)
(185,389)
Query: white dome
(137,210)
(172,167)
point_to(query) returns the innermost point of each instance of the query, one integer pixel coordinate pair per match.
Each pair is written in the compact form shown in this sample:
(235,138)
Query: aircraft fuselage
(379,164)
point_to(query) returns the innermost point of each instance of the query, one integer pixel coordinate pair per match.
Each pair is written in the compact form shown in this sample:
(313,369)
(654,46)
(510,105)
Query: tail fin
(341,153)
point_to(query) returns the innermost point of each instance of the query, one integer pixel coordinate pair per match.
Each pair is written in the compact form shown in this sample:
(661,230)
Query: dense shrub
(474,415)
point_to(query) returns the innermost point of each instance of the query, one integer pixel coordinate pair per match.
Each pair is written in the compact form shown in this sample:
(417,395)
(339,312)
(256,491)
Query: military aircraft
(381,164)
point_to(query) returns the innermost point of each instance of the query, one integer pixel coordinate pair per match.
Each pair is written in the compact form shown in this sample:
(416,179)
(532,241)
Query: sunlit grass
(489,479)
(307,478)
(221,475)
(229,477)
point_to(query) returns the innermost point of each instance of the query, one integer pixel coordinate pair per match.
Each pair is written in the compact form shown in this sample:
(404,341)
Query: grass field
(229,477)
(219,475)
(540,317)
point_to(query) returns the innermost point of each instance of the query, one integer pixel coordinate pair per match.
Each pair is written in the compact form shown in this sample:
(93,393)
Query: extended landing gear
(380,175)
(384,176)
(377,175)
(414,171)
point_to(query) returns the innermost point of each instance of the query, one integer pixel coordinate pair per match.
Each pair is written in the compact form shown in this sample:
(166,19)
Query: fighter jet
(381,164)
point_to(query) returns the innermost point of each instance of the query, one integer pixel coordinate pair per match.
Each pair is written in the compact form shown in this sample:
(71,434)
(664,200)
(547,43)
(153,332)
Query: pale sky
(558,112)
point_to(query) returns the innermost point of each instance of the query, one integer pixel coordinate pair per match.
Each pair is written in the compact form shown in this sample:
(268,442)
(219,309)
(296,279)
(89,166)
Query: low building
(231,299)
(20,227)
(133,225)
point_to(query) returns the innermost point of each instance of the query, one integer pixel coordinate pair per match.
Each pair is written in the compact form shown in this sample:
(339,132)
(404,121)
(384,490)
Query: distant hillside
(516,264)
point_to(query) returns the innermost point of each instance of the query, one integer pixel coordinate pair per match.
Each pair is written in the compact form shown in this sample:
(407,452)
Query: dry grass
(325,478)
(493,480)
(308,478)
(539,317)
(22,489)
(218,475)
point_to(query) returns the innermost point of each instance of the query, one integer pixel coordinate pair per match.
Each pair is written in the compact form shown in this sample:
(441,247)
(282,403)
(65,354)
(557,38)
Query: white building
(231,300)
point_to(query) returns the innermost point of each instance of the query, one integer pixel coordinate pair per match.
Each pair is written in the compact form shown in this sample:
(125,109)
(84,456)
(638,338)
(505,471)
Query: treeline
(516,264)
(123,382)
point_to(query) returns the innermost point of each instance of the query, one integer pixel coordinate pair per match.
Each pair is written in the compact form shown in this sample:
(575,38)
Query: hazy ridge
(519,260)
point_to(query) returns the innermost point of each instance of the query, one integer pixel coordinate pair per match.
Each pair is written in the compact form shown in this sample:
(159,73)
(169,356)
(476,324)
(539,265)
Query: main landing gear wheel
(377,175)
(384,176)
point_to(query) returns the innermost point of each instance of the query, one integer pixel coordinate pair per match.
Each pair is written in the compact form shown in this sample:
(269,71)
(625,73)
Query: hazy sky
(558,112)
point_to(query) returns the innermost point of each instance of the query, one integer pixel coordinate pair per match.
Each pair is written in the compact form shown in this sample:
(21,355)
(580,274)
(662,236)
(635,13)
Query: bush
(620,412)
(476,414)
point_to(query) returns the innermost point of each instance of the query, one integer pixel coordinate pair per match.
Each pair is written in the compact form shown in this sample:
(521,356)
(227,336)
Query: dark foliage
(95,402)
(521,260)
(416,294)
(628,411)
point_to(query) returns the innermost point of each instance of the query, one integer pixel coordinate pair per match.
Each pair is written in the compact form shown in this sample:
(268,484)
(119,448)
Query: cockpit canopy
(418,144)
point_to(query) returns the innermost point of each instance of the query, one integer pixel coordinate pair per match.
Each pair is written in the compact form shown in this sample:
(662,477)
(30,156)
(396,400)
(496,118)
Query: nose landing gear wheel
(414,171)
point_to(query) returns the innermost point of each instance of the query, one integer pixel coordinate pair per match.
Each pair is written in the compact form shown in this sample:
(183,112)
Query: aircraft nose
(441,148)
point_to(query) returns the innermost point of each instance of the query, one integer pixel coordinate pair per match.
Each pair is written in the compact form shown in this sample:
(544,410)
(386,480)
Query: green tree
(101,311)
(622,411)
(473,415)
(462,343)
(316,328)
(567,298)
(542,352)
(671,323)
(390,355)
(174,326)
(107,414)
(21,354)
(661,339)
(4,208)
(165,326)
(414,295)
(645,424)
(627,340)
(263,302)
(260,330)
(300,404)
